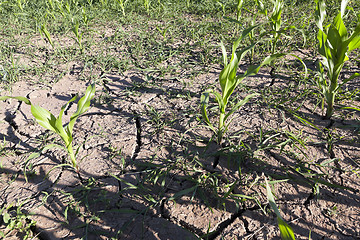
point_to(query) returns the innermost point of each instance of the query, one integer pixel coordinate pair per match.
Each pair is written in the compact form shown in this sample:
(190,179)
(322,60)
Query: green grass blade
(302,62)
(239,105)
(183,192)
(355,75)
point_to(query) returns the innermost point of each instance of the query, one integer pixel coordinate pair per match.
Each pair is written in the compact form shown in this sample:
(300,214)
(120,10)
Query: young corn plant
(147,5)
(239,6)
(55,124)
(275,23)
(21,4)
(43,30)
(229,80)
(122,6)
(86,18)
(78,35)
(334,45)
(278,32)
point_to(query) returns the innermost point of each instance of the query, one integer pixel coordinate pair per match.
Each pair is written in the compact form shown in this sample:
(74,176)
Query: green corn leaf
(6,217)
(60,129)
(59,125)
(227,78)
(340,26)
(261,7)
(322,38)
(354,41)
(271,199)
(82,106)
(220,100)
(204,101)
(228,74)
(276,15)
(23,99)
(320,13)
(232,79)
(241,54)
(334,38)
(286,231)
(47,34)
(271,58)
(343,7)
(44,118)
(224,53)
(245,33)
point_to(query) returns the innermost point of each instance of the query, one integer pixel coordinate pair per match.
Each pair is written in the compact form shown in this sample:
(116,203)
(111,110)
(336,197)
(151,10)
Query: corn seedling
(46,33)
(68,7)
(277,32)
(86,19)
(286,231)
(163,32)
(335,43)
(50,122)
(238,9)
(275,22)
(222,5)
(78,35)
(229,80)
(147,5)
(122,5)
(21,4)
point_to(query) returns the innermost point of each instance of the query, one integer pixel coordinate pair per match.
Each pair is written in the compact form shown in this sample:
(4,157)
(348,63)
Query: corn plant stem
(221,125)
(332,90)
(330,96)
(72,157)
(73,161)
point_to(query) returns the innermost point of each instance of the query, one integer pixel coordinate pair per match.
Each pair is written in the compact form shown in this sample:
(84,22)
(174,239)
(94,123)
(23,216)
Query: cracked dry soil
(141,144)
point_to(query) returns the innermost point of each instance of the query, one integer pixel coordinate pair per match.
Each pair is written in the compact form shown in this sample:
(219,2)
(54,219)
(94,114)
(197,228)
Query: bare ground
(147,163)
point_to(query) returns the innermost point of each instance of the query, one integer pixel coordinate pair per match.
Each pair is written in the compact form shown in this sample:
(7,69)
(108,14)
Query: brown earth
(147,162)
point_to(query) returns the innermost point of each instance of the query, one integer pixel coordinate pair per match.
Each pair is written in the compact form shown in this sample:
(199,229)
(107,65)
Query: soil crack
(138,136)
